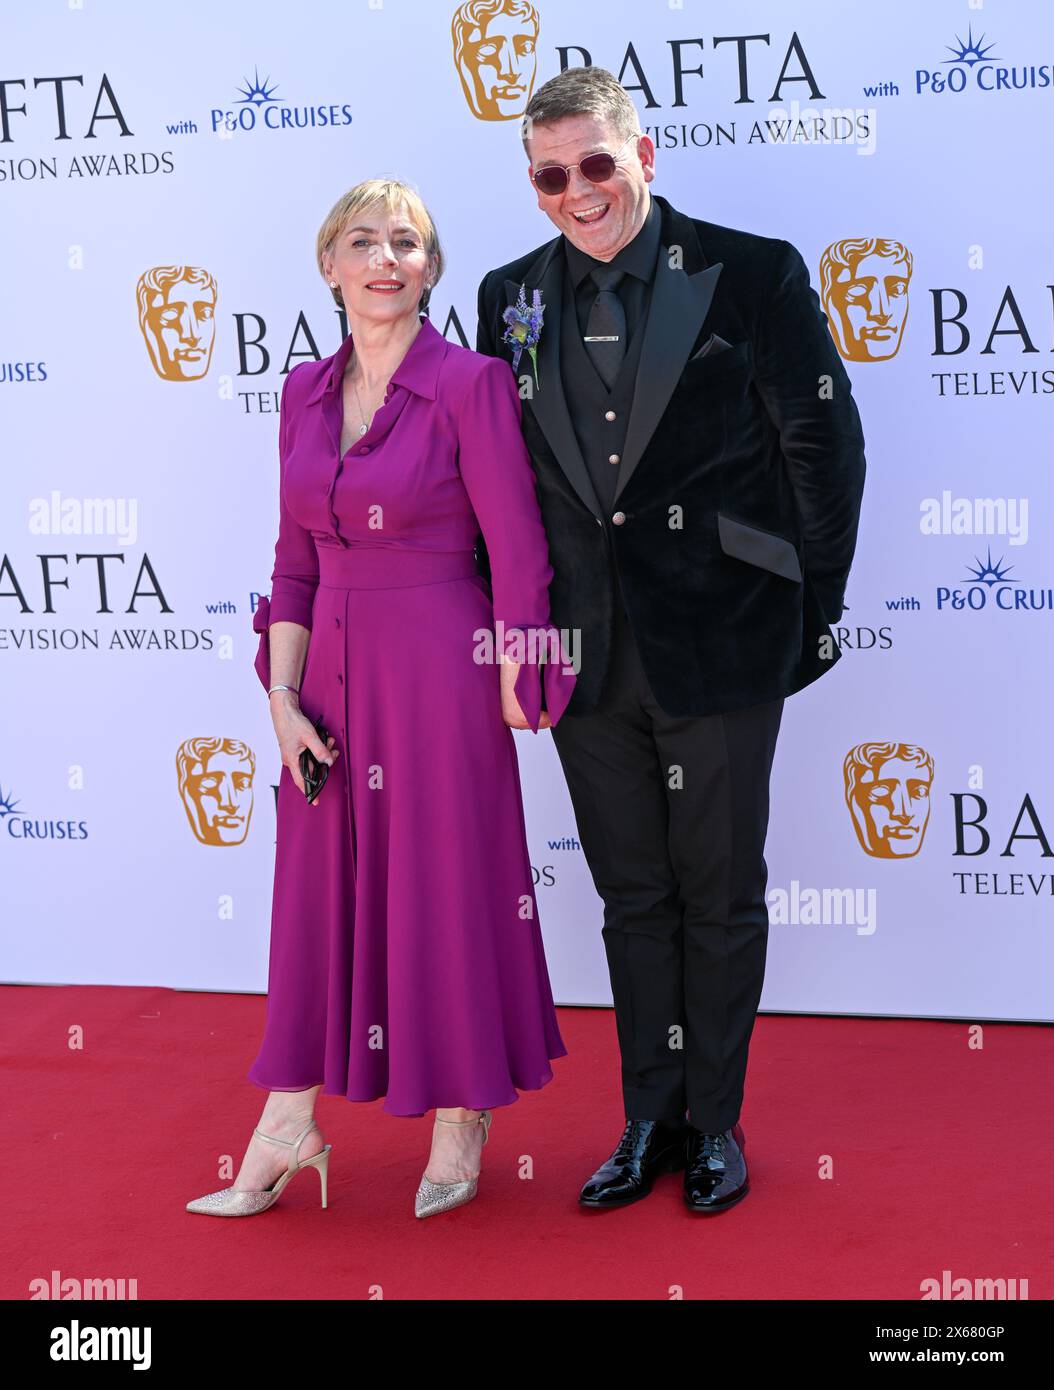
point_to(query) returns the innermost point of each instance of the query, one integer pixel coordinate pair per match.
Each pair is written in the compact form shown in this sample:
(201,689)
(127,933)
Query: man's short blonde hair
(394,197)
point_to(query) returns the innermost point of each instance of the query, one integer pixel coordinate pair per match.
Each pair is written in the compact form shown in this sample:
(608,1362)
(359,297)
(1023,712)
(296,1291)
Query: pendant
(363,429)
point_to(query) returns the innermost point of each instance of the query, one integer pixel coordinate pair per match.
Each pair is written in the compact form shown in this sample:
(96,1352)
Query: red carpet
(941,1161)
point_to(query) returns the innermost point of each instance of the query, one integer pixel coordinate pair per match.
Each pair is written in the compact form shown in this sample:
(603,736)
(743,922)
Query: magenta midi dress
(406,958)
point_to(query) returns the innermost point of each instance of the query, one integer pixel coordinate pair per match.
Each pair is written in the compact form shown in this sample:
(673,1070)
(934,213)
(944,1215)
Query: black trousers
(672,815)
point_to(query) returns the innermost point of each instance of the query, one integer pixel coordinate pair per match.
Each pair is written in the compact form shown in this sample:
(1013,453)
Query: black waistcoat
(589,400)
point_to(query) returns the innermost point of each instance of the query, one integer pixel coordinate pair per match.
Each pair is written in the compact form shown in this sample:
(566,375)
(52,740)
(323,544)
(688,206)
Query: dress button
(340,679)
(365,449)
(609,415)
(337,621)
(613,458)
(619,518)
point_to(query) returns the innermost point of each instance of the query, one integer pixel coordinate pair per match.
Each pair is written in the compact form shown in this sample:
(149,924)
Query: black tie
(606,330)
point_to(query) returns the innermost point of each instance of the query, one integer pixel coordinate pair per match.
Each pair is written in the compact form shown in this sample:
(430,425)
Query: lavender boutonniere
(523,328)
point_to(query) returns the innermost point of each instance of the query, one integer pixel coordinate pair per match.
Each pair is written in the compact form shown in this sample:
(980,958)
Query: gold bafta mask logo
(495,53)
(887,790)
(177,317)
(864,289)
(216,785)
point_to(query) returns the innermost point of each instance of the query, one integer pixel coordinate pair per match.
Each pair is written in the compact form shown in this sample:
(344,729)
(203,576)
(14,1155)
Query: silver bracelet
(283,687)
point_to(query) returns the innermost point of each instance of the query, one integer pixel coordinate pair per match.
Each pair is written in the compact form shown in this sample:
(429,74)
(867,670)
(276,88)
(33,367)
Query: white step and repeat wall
(149,149)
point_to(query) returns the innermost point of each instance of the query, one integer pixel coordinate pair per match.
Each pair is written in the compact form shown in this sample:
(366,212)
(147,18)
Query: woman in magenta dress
(406,959)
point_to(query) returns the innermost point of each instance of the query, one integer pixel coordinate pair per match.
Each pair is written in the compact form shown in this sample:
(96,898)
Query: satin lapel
(548,402)
(679,304)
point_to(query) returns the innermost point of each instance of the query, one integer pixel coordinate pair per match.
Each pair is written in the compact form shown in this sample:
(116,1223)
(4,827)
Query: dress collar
(418,371)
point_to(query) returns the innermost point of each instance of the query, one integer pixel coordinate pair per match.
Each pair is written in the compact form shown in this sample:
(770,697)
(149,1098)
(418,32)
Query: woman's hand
(510,706)
(295,732)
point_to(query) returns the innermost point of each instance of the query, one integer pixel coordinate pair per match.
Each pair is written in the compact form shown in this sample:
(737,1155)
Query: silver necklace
(364,427)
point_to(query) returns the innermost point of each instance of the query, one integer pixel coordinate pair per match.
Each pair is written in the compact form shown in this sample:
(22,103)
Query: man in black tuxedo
(700,464)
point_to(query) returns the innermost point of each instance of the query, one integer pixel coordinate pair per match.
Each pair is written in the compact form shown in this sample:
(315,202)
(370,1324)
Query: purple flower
(523,328)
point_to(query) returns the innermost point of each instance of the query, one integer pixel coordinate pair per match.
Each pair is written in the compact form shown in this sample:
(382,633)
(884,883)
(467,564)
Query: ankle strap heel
(483,1118)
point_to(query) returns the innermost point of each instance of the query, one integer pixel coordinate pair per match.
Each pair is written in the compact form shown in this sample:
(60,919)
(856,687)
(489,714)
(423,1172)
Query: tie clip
(612,338)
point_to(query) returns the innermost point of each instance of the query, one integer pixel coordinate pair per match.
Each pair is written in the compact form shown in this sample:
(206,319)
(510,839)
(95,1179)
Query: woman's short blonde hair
(393,196)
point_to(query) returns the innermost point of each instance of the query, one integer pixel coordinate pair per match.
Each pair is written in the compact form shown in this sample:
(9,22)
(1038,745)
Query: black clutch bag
(313,772)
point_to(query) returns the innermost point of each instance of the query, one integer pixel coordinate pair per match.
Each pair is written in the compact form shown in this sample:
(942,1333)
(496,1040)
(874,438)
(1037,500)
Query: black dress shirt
(637,258)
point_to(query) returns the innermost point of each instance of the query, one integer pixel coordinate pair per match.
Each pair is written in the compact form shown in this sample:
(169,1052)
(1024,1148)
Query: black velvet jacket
(739,490)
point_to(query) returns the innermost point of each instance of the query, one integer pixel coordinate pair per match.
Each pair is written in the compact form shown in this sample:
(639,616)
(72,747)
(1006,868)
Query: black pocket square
(715,343)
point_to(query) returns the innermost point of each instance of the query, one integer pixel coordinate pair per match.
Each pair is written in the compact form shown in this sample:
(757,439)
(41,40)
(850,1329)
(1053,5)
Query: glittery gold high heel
(247,1202)
(434,1197)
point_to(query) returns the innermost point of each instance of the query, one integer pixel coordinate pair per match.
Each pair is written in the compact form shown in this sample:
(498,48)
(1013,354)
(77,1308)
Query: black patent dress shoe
(646,1149)
(715,1174)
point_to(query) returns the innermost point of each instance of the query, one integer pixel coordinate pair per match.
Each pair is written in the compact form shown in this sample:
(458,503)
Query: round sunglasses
(597,168)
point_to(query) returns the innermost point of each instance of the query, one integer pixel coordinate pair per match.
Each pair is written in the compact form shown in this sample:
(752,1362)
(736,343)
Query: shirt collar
(637,257)
(418,371)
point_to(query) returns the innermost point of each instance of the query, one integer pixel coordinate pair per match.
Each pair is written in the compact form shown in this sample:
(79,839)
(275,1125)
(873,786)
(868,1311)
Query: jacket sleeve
(496,470)
(820,431)
(294,577)
(484,334)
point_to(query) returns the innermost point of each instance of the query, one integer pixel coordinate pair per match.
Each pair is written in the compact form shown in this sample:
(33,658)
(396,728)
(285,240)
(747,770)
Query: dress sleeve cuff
(292,602)
(280,607)
(557,677)
(261,623)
